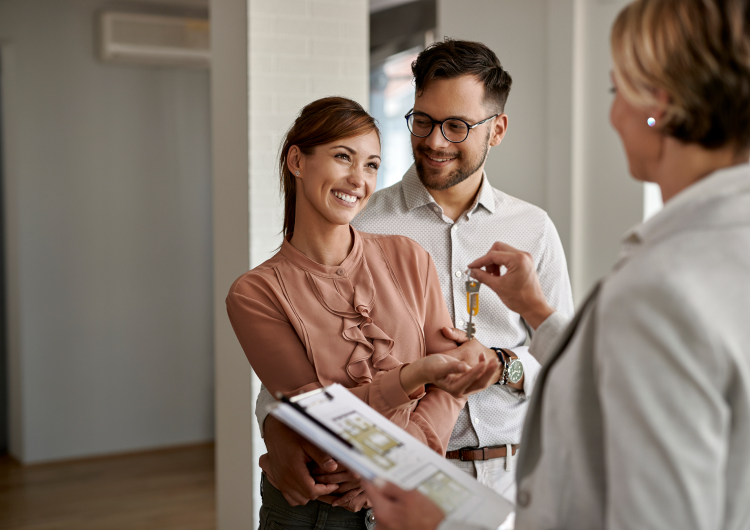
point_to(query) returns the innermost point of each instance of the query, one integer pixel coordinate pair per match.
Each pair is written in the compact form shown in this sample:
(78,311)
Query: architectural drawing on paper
(368,439)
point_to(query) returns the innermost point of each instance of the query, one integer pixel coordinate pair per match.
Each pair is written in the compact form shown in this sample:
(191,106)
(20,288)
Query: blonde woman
(641,413)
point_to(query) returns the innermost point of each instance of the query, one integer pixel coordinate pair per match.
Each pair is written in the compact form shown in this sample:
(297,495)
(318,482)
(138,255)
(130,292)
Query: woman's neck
(685,164)
(323,243)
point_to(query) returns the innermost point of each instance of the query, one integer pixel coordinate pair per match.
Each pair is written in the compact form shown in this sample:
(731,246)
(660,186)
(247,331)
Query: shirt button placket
(457,286)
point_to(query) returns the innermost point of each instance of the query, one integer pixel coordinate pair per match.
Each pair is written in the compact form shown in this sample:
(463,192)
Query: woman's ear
(663,100)
(294,161)
(499,128)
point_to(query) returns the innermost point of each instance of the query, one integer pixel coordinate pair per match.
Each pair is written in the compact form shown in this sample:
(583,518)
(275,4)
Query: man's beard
(431,177)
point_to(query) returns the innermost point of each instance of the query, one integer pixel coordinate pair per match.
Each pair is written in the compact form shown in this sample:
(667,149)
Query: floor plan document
(360,438)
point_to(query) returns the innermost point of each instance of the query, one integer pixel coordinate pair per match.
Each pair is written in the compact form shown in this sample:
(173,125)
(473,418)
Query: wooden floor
(161,490)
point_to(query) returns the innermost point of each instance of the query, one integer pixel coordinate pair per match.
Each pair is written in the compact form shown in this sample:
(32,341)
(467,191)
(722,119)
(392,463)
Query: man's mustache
(437,154)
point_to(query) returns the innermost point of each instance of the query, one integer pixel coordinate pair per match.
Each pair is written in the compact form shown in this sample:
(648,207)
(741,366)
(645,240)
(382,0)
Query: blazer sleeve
(660,378)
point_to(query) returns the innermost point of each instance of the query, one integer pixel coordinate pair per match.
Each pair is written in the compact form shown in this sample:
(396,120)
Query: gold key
(472,303)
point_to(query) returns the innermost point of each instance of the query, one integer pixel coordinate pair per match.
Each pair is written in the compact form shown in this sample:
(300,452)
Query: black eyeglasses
(454,130)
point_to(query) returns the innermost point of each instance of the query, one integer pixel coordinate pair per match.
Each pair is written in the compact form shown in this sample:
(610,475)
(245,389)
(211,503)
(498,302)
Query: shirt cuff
(265,399)
(388,386)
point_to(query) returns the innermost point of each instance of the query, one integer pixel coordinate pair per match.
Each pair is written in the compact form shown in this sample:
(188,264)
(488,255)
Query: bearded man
(446,203)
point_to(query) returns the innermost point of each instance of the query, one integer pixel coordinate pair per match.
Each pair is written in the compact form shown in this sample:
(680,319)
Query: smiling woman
(338,306)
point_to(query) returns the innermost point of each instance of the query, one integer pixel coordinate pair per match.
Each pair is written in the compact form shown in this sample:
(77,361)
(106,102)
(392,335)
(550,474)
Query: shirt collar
(416,195)
(680,212)
(346,267)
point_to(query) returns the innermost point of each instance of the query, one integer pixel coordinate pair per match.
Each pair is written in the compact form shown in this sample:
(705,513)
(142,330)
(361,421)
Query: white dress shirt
(495,416)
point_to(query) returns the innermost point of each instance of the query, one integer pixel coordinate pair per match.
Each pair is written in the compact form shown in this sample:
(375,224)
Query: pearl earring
(651,122)
(297,173)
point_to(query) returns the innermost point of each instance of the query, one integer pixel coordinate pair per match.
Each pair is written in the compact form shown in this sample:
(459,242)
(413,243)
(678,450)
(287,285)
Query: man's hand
(351,492)
(471,348)
(519,287)
(286,464)
(396,509)
(468,351)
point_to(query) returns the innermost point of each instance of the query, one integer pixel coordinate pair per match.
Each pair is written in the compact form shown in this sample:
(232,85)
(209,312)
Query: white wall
(560,152)
(108,222)
(299,50)
(606,199)
(516,31)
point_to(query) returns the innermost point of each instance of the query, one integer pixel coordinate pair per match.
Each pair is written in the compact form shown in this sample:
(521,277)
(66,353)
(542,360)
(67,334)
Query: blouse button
(341,272)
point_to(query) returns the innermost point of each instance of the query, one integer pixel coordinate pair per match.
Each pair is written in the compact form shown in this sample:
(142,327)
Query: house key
(472,303)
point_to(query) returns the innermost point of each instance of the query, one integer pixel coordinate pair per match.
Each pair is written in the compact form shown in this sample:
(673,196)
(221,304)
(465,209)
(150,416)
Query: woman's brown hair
(698,52)
(320,122)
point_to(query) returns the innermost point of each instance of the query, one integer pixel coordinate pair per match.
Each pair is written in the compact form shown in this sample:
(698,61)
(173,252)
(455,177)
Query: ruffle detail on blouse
(354,306)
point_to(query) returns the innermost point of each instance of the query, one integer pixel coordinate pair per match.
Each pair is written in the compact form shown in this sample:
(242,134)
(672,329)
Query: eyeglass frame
(434,122)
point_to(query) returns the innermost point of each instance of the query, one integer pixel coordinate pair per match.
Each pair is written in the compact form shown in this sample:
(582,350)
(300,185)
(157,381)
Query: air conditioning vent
(149,39)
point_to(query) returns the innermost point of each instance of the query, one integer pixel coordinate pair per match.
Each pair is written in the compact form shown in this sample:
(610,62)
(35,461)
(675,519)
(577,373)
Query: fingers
(265,464)
(499,245)
(336,478)
(484,380)
(325,462)
(448,367)
(485,277)
(303,483)
(494,257)
(455,334)
(476,379)
(348,497)
(293,498)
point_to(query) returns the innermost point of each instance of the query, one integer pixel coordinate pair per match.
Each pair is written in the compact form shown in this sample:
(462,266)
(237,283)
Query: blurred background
(138,141)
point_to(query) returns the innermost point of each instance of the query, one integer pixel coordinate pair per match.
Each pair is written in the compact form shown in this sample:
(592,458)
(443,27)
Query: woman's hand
(396,508)
(519,287)
(448,373)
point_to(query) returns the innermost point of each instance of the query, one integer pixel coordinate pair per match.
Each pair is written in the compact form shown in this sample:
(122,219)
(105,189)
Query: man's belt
(467,454)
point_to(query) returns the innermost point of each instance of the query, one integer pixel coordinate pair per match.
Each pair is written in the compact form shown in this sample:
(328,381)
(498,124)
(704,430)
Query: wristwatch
(513,371)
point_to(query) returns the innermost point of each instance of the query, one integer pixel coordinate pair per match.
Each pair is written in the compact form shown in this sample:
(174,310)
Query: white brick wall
(300,50)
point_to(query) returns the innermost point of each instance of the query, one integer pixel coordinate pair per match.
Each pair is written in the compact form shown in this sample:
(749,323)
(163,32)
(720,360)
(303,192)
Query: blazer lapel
(530,441)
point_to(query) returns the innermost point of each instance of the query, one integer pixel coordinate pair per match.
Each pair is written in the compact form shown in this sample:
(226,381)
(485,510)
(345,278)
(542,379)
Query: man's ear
(499,128)
(294,160)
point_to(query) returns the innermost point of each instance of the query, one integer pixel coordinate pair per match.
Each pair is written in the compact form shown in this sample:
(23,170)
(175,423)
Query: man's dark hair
(453,58)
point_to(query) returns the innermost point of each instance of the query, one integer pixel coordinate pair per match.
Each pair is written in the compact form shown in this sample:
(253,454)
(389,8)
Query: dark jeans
(276,514)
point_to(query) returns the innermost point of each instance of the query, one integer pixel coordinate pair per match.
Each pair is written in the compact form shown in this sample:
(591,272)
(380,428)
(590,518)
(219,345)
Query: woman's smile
(349,199)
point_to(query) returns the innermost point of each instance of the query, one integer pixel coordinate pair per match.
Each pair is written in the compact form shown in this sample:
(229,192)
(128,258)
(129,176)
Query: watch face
(515,371)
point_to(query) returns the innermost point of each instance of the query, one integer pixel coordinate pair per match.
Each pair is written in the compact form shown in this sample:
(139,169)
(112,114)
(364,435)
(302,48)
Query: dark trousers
(277,514)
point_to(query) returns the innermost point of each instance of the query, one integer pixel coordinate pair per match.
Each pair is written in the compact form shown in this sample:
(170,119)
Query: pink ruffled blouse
(304,325)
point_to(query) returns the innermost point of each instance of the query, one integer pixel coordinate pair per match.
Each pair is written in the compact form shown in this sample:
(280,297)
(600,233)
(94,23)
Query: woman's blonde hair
(698,52)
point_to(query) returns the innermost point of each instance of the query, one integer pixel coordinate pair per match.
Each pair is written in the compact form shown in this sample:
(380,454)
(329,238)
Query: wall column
(270,58)
(231,237)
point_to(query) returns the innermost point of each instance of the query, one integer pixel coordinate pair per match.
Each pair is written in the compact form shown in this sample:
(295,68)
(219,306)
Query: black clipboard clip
(299,408)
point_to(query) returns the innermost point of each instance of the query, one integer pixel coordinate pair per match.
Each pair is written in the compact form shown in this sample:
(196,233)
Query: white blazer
(640,417)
